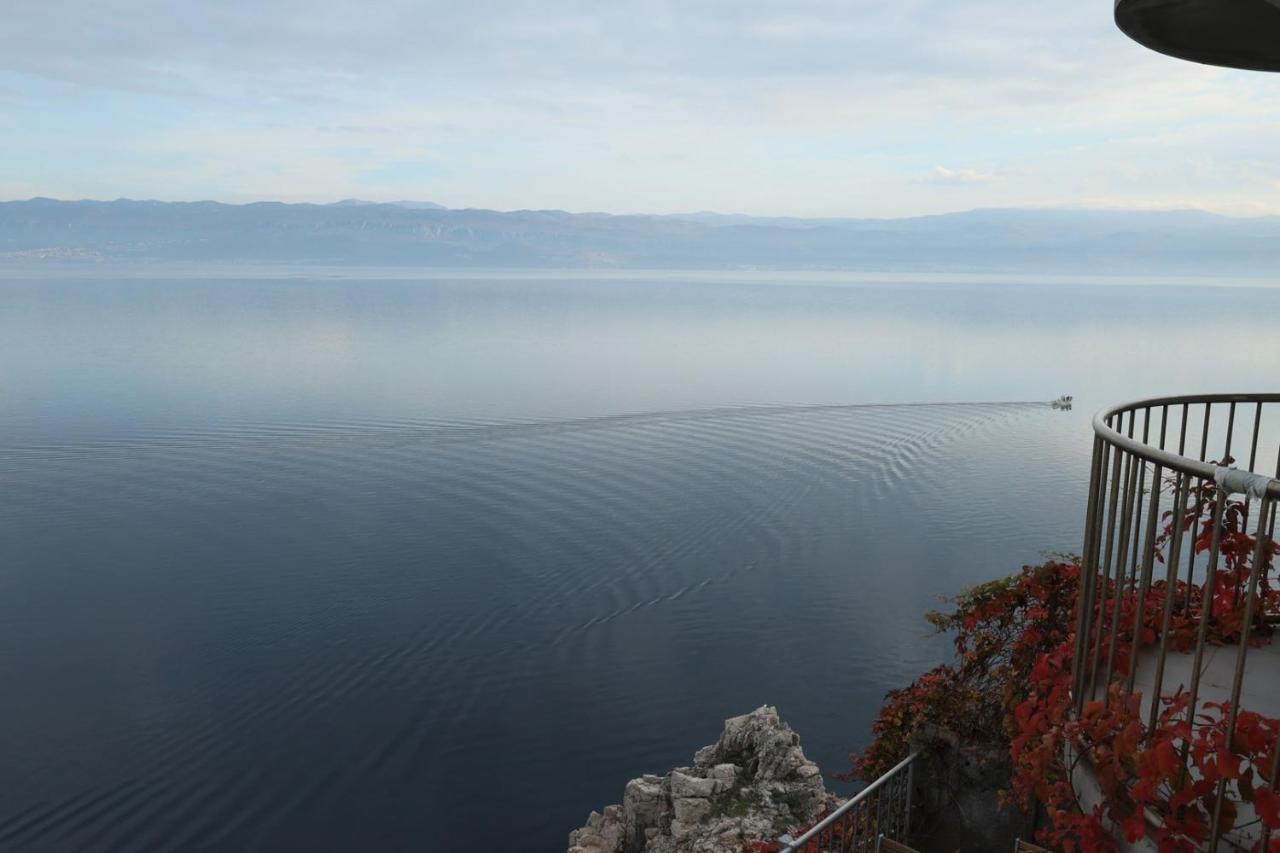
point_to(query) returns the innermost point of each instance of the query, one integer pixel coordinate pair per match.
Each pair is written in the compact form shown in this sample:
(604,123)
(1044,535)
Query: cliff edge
(753,784)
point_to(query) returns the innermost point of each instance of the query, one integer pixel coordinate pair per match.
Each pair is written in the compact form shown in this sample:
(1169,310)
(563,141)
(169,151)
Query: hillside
(418,233)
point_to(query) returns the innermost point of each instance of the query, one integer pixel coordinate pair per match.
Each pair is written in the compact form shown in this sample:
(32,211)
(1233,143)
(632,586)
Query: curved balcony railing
(1175,589)
(882,809)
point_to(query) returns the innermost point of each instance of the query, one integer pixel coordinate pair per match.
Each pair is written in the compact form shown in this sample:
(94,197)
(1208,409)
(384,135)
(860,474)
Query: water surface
(351,563)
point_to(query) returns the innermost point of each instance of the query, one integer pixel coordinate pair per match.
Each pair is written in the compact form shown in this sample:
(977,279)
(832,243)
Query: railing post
(1242,650)
(1132,484)
(911,777)
(1206,610)
(1084,599)
(1144,582)
(1171,583)
(1105,578)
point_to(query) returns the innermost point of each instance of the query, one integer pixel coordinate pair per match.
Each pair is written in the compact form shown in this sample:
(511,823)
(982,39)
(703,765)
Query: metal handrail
(1167,458)
(1123,540)
(787,844)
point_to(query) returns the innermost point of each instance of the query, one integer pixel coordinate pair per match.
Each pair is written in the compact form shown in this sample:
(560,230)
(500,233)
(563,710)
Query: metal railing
(881,808)
(1150,504)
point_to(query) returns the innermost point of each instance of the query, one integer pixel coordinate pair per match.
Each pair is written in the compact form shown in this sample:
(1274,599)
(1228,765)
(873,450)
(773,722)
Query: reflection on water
(344,564)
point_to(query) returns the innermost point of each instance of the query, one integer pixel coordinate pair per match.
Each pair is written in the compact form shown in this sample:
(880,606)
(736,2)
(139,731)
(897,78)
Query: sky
(848,108)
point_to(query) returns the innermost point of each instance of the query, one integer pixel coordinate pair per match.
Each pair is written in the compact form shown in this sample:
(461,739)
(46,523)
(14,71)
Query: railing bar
(1253,453)
(1273,397)
(911,779)
(1257,427)
(1206,610)
(1091,612)
(1275,776)
(1106,573)
(1204,449)
(1084,598)
(1273,503)
(1257,568)
(1142,494)
(906,806)
(879,812)
(1131,480)
(1226,454)
(1231,428)
(1183,482)
(851,803)
(1137,523)
(1191,552)
(1175,461)
(899,809)
(896,811)
(891,818)
(1204,433)
(882,809)
(1148,561)
(1182,435)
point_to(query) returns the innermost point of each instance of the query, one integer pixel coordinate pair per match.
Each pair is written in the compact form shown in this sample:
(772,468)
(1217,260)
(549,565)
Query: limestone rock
(754,783)
(690,786)
(602,834)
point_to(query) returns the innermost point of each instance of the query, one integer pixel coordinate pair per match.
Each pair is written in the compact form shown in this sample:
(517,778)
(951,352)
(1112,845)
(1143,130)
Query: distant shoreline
(1055,243)
(283,271)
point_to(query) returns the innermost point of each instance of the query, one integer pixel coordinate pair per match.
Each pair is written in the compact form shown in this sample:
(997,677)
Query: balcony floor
(1260,693)
(1261,687)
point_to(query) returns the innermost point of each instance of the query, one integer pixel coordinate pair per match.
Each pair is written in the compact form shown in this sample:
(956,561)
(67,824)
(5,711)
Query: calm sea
(439,562)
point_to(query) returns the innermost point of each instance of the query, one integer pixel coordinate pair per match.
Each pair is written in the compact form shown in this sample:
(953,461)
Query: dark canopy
(1234,33)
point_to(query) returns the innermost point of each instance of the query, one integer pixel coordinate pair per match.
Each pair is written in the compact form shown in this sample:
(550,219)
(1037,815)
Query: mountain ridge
(1071,240)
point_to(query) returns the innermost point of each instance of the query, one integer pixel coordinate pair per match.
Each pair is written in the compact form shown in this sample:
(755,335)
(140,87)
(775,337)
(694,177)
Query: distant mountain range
(424,233)
(412,205)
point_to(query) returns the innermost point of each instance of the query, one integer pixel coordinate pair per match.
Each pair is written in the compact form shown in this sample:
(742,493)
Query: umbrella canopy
(1233,33)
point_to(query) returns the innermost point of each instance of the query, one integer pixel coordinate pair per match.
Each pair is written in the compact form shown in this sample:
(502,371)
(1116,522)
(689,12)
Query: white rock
(683,785)
(691,809)
(752,780)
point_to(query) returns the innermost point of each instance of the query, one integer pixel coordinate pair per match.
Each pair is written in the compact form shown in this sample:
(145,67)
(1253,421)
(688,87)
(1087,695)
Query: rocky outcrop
(958,799)
(754,783)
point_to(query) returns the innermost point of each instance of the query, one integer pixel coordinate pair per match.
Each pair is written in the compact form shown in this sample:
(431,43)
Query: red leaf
(1135,827)
(1166,758)
(1267,804)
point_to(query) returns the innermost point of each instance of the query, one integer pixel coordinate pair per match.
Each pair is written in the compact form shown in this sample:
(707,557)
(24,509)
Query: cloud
(815,107)
(943,175)
(352,129)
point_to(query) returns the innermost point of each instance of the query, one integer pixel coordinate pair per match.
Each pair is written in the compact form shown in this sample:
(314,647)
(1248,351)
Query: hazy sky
(856,107)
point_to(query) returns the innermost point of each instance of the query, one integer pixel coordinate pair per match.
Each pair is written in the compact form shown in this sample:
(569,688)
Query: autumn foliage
(1011,684)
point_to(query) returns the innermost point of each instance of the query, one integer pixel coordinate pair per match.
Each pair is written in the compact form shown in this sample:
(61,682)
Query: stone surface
(683,785)
(957,796)
(754,783)
(602,833)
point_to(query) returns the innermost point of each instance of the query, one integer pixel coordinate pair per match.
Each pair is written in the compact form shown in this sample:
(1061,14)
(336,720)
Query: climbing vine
(1010,685)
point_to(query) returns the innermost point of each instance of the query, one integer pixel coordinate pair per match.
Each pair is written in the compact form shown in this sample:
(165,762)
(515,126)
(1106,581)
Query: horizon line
(404,205)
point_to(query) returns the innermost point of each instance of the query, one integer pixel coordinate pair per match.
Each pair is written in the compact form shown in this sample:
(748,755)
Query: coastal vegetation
(1010,686)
